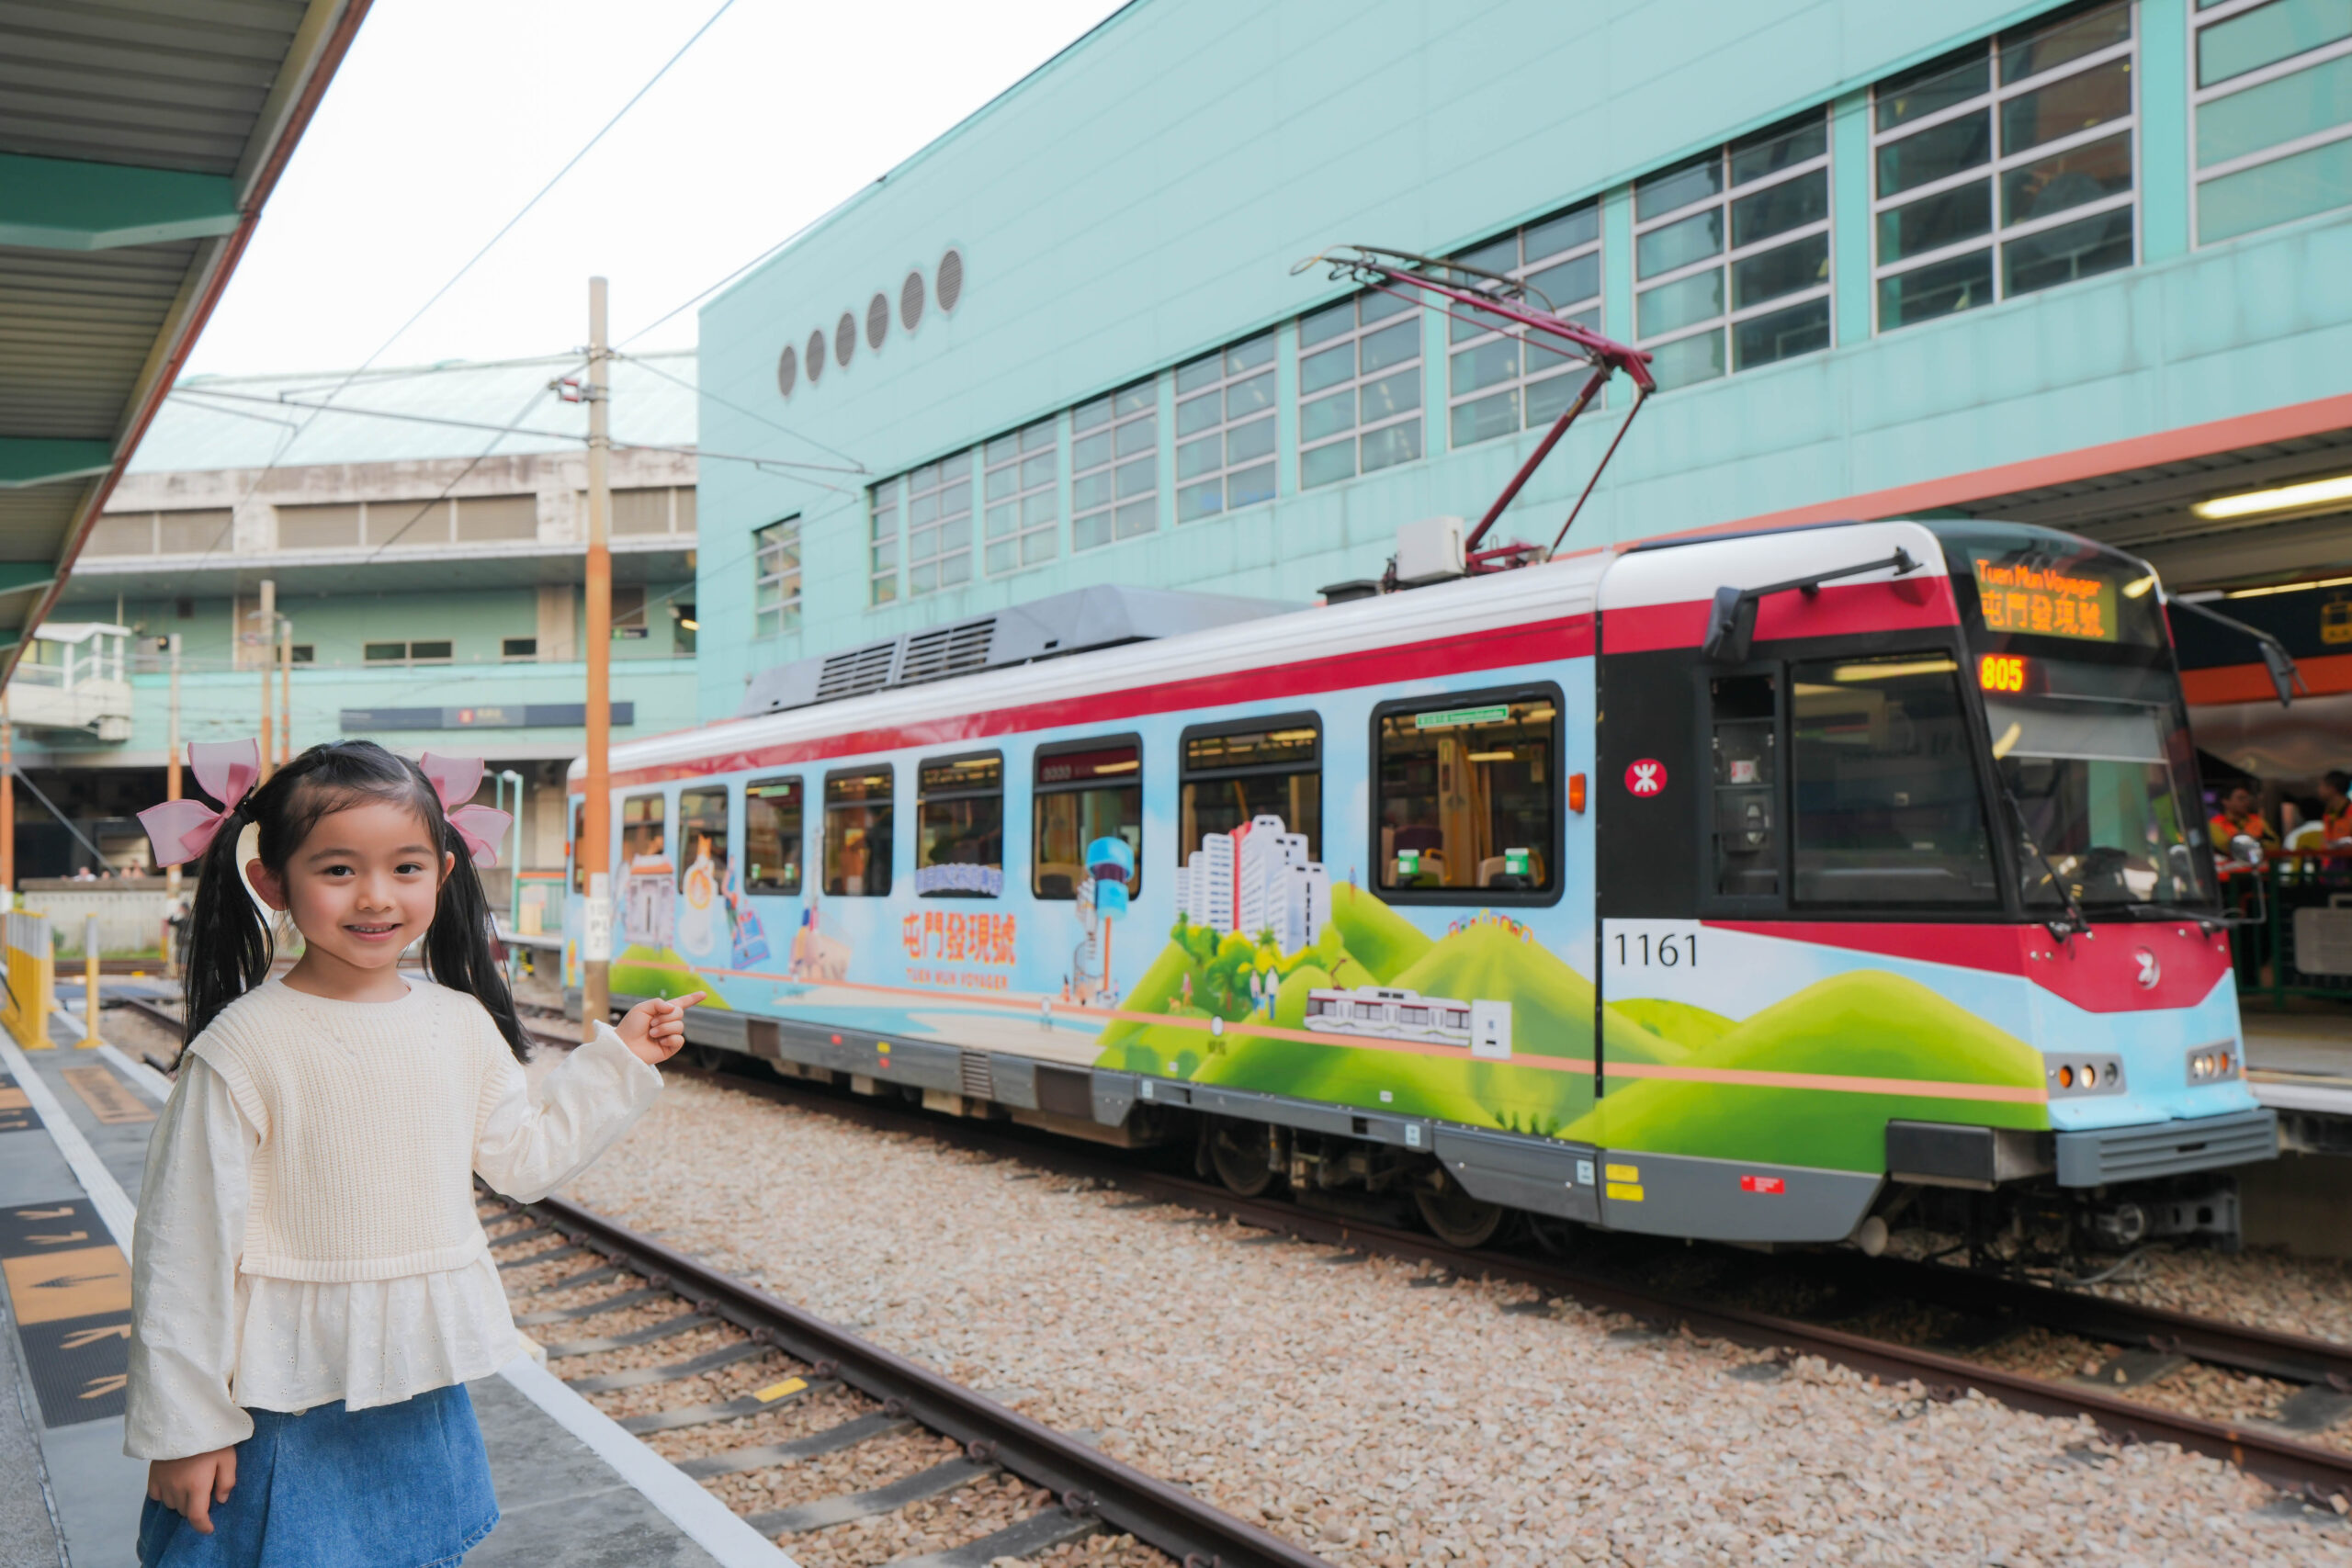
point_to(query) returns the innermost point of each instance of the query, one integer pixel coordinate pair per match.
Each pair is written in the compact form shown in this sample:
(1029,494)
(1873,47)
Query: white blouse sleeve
(529,1142)
(183,1274)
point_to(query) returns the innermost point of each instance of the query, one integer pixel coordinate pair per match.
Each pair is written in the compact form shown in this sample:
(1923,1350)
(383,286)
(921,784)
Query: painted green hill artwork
(1865,1024)
(1200,976)
(641,971)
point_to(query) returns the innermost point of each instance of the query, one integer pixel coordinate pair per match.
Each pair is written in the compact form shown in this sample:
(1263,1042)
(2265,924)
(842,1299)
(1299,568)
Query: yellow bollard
(90,1040)
(33,983)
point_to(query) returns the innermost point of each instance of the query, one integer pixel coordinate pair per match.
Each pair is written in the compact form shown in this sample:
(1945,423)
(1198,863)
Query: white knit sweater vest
(367,1113)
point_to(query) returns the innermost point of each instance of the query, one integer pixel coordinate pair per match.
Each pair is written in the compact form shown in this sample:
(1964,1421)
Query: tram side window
(1469,793)
(702,836)
(772,831)
(580,846)
(644,830)
(1235,775)
(1745,765)
(1086,792)
(959,828)
(857,833)
(1884,801)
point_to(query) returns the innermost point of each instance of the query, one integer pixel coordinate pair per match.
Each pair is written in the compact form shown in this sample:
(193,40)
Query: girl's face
(363,885)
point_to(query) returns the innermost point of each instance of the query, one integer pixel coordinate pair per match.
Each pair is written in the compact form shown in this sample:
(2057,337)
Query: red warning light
(2004,673)
(1762,1184)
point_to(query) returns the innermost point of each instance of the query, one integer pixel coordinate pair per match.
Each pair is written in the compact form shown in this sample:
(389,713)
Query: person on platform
(312,1288)
(2238,816)
(2335,808)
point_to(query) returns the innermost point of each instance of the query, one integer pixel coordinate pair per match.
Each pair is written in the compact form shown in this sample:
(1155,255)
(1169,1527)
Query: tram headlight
(2214,1063)
(2071,1076)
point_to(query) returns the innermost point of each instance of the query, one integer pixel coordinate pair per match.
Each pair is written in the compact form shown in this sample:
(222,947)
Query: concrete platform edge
(107,1196)
(704,1519)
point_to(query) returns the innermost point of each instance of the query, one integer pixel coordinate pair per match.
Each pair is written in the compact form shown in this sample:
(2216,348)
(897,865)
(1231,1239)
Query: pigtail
(457,944)
(229,945)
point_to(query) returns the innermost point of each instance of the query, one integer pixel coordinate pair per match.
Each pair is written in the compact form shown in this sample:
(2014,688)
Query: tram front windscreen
(2083,711)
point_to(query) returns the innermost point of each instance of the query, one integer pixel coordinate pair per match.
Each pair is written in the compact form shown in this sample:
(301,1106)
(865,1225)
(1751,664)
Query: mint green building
(2084,266)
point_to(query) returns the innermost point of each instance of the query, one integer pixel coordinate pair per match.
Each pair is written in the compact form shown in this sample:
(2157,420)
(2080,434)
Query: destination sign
(2044,599)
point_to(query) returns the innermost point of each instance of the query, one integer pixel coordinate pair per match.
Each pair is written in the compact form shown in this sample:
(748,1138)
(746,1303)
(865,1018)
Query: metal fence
(2295,938)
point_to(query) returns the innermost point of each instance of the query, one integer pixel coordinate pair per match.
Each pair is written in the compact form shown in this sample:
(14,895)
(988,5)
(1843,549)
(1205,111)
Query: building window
(2272,92)
(1731,254)
(516,648)
(1467,794)
(772,837)
(1086,791)
(1022,510)
(1224,430)
(684,630)
(1359,387)
(959,828)
(939,525)
(1115,467)
(882,542)
(2024,140)
(857,833)
(305,653)
(775,581)
(406,652)
(1500,378)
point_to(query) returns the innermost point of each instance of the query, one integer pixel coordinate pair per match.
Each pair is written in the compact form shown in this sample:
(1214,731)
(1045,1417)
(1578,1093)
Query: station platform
(74,1120)
(2299,1064)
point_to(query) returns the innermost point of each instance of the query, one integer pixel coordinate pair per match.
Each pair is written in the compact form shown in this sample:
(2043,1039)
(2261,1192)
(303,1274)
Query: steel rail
(1086,1481)
(2298,1467)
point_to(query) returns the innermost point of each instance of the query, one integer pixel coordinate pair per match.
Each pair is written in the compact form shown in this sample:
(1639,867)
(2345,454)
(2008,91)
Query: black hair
(229,946)
(2337,780)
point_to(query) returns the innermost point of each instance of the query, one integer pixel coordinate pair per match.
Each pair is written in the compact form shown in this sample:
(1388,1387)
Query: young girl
(310,1288)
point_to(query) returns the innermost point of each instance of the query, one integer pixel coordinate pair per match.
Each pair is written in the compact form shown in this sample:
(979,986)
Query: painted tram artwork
(1770,888)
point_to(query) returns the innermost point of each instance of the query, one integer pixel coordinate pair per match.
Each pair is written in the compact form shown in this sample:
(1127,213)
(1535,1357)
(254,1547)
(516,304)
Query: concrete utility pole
(285,690)
(594,849)
(268,616)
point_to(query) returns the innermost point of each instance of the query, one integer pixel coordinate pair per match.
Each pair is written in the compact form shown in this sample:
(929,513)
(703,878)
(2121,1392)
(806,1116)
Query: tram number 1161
(1665,951)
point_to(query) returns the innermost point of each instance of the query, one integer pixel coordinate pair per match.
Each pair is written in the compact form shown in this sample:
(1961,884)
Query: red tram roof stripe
(1569,636)
(1838,609)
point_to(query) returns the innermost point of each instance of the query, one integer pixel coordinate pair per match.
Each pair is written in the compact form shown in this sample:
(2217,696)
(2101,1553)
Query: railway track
(2323,1369)
(793,1356)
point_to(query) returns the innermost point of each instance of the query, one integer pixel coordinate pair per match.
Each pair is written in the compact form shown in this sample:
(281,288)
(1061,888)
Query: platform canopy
(139,140)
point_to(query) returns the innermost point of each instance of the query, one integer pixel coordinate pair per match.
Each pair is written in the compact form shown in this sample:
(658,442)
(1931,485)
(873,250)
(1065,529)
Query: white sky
(447,115)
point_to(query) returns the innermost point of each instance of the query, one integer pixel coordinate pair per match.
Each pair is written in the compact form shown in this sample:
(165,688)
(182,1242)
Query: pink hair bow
(455,779)
(183,829)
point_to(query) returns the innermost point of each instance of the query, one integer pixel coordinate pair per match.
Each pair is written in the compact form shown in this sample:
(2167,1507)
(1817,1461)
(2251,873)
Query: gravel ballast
(1375,1422)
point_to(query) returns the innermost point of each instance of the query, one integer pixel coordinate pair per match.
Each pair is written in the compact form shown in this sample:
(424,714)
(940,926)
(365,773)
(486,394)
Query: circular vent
(910,300)
(877,321)
(787,370)
(815,357)
(844,338)
(950,287)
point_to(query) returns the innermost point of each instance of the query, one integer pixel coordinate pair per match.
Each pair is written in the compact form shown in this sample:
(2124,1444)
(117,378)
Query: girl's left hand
(655,1029)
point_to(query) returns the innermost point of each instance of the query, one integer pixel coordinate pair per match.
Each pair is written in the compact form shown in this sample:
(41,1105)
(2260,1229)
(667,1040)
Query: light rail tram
(1774,888)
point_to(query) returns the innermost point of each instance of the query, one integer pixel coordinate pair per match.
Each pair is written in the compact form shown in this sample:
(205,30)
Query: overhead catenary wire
(748,413)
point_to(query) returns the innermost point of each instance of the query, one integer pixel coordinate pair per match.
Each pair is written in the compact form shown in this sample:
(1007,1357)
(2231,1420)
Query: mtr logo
(1645,778)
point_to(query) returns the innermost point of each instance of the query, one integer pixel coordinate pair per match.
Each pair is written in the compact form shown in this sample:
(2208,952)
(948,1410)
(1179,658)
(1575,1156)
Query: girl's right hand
(654,1030)
(191,1486)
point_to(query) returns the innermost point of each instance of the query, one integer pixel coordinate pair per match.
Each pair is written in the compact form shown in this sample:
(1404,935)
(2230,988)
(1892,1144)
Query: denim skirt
(402,1485)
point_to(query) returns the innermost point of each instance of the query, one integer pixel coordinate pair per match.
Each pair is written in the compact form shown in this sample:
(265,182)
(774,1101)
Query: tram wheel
(709,1058)
(1556,1236)
(1243,1153)
(1457,1218)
